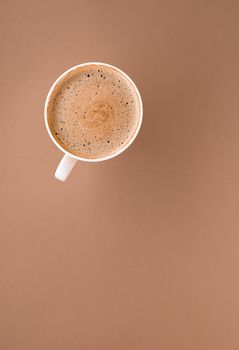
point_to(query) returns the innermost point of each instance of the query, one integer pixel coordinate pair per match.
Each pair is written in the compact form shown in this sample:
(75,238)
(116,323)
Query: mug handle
(65,167)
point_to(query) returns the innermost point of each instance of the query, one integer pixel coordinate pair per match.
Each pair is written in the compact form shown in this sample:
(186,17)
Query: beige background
(140,252)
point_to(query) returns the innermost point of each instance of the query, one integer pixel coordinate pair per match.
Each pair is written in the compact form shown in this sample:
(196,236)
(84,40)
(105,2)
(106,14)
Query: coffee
(93,111)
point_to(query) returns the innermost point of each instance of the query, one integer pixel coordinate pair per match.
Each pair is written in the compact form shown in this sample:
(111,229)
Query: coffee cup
(102,111)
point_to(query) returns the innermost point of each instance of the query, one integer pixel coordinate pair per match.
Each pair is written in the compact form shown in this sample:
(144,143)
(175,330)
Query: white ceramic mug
(69,160)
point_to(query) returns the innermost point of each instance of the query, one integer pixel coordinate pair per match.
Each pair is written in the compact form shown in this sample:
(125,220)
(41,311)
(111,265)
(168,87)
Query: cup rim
(121,149)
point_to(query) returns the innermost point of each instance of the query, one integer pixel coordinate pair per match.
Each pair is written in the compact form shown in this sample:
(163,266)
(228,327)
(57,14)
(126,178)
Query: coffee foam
(93,111)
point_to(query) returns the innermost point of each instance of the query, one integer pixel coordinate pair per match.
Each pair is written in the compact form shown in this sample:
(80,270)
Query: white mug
(69,160)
